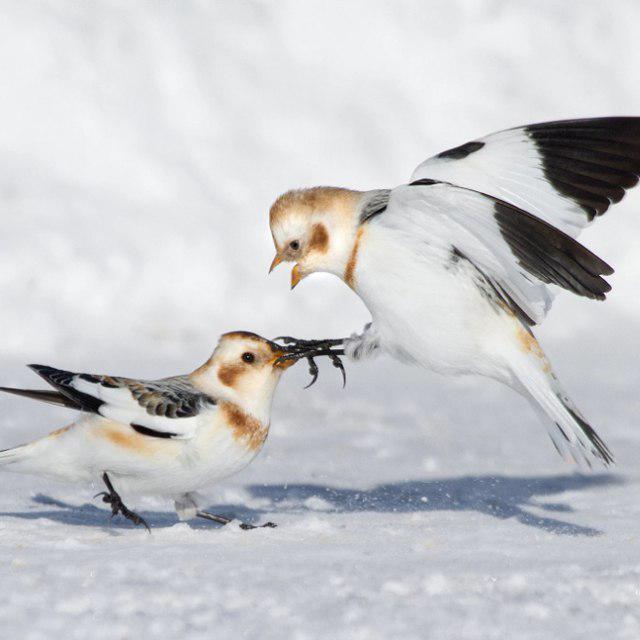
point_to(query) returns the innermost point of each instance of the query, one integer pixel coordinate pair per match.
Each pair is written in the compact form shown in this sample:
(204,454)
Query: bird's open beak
(296,275)
(282,364)
(276,261)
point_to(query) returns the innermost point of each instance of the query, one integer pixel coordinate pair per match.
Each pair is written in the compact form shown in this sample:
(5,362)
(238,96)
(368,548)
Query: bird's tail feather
(573,437)
(9,456)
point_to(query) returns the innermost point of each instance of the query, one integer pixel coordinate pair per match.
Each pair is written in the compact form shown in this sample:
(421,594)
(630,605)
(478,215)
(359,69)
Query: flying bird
(169,437)
(458,265)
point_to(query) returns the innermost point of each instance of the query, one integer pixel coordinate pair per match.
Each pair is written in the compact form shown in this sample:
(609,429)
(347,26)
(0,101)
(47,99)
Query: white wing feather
(440,218)
(563,172)
(120,405)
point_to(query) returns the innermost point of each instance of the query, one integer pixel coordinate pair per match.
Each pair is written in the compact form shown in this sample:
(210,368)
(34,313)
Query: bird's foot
(112,498)
(297,349)
(246,527)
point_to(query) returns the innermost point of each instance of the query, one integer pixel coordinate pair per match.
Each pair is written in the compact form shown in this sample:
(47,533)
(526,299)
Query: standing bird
(458,265)
(171,436)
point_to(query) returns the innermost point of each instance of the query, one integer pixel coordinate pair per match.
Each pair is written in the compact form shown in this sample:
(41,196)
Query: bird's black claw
(313,370)
(338,364)
(297,349)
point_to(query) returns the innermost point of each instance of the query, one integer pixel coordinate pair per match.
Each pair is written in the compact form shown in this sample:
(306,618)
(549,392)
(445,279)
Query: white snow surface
(140,148)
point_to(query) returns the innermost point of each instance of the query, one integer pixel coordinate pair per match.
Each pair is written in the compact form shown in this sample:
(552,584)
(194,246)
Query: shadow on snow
(500,497)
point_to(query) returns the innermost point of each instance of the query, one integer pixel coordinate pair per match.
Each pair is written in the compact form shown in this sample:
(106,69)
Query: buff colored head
(315,228)
(244,368)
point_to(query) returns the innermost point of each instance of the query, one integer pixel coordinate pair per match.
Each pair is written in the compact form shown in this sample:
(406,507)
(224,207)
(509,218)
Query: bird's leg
(213,517)
(112,498)
(223,520)
(363,345)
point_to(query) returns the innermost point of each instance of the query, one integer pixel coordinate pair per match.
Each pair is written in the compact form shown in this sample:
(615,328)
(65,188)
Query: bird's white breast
(426,309)
(221,446)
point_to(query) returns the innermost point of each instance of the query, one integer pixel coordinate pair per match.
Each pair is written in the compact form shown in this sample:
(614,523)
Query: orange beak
(283,364)
(296,276)
(276,261)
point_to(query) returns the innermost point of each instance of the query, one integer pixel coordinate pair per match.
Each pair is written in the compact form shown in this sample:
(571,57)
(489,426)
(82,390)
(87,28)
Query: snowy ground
(140,147)
(400,516)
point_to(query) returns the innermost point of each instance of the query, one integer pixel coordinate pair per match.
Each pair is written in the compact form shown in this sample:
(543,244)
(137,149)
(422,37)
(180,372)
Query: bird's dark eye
(294,245)
(248,357)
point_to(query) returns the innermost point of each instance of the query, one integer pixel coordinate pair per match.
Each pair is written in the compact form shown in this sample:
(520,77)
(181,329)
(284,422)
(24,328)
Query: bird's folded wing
(517,253)
(565,172)
(165,408)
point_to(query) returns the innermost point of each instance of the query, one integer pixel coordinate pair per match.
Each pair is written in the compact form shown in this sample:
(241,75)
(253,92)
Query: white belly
(426,310)
(189,465)
(136,462)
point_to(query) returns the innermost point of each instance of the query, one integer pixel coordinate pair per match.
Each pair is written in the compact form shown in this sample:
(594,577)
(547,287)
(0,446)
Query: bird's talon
(313,370)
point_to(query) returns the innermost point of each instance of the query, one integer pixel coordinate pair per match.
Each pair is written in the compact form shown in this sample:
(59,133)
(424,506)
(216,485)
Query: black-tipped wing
(565,172)
(162,408)
(551,255)
(51,397)
(516,253)
(63,381)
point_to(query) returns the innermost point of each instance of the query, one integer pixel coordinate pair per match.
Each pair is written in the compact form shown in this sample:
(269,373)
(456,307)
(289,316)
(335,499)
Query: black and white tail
(573,437)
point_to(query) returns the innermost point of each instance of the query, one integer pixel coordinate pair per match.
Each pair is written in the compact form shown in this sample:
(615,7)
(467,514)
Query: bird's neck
(369,205)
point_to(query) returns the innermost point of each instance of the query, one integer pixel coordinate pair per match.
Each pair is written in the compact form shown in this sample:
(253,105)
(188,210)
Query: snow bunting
(171,436)
(458,265)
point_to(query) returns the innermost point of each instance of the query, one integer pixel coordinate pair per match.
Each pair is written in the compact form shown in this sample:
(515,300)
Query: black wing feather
(61,380)
(52,397)
(550,254)
(591,161)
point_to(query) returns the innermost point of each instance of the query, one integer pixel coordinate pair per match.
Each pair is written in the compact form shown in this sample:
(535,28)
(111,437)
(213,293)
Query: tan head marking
(229,373)
(319,240)
(314,199)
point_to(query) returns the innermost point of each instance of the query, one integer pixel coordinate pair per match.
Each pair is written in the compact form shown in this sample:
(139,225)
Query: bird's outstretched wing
(166,408)
(565,172)
(514,252)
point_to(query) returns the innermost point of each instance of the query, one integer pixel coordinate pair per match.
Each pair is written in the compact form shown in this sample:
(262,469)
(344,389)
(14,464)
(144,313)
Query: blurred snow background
(141,145)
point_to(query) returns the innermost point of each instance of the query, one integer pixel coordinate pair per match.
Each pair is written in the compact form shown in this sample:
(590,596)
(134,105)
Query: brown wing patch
(319,240)
(229,374)
(529,344)
(126,438)
(349,272)
(245,427)
(314,199)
